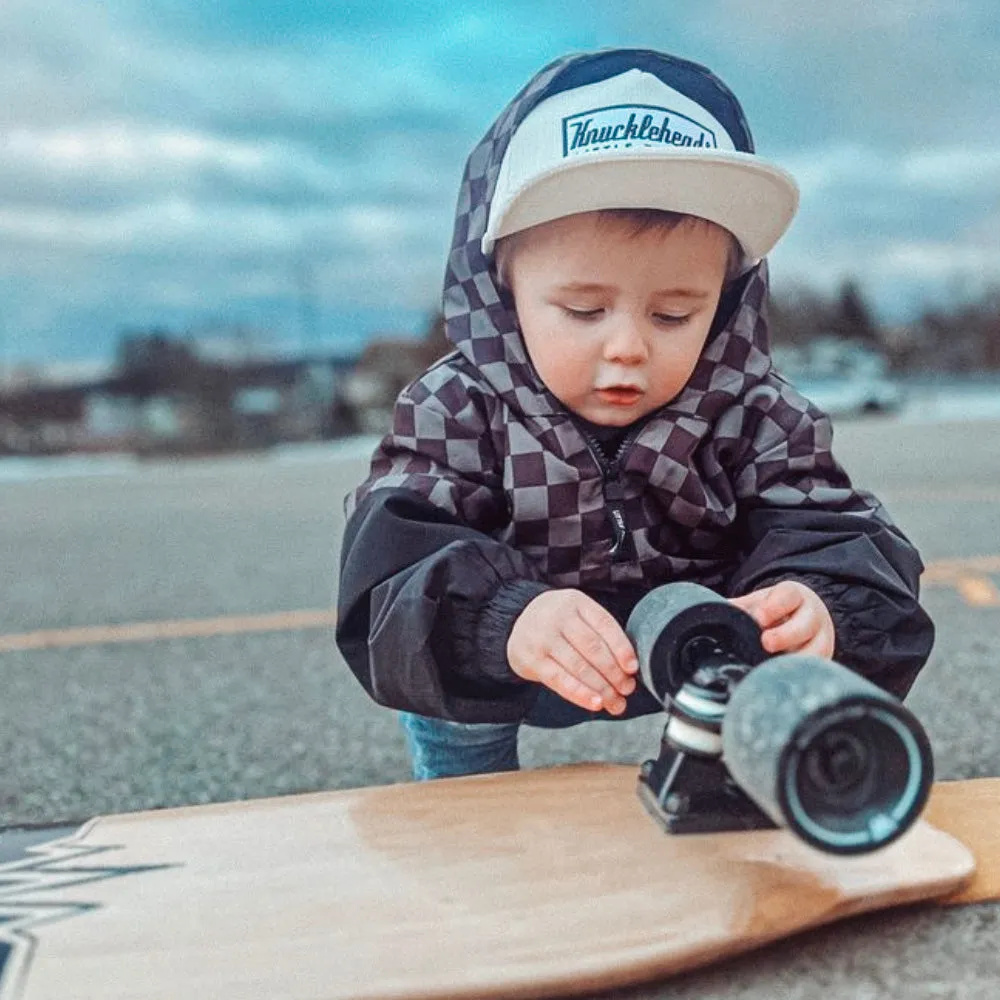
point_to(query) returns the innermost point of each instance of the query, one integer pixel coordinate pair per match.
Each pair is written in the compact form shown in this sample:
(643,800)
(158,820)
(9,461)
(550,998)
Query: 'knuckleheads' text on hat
(634,141)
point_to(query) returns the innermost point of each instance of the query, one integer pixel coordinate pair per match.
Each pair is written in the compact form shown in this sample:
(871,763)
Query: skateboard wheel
(826,753)
(671,627)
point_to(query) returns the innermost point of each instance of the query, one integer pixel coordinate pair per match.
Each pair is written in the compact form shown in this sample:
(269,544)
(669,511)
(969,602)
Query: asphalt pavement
(92,727)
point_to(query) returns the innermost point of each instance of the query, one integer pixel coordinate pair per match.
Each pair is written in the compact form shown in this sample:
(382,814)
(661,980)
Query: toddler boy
(610,421)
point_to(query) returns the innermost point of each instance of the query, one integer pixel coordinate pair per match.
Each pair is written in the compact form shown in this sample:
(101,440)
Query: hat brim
(753,199)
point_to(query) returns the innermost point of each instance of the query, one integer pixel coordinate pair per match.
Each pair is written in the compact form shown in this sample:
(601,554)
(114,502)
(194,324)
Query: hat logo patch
(632,125)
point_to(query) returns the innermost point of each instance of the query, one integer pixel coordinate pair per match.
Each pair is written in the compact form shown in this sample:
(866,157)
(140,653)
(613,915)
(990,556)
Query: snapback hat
(634,141)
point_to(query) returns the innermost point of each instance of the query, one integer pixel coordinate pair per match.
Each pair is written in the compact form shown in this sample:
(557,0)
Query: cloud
(950,169)
(909,224)
(954,169)
(148,151)
(164,163)
(897,73)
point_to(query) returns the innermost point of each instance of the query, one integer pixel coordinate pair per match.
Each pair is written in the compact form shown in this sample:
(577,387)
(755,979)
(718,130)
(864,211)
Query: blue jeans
(440,748)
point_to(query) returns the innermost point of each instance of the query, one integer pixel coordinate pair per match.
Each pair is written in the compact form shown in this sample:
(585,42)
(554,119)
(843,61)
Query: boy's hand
(793,618)
(568,642)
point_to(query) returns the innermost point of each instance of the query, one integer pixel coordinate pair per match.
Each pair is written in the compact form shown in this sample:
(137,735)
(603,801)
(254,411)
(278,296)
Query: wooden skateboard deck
(553,882)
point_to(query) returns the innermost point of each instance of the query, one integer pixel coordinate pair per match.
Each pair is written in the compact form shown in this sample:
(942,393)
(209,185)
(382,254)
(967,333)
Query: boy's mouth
(620,395)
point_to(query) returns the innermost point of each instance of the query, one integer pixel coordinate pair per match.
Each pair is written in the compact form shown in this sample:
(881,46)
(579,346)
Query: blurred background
(223,226)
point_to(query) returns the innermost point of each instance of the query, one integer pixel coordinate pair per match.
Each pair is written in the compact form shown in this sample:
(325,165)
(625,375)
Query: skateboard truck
(688,789)
(753,743)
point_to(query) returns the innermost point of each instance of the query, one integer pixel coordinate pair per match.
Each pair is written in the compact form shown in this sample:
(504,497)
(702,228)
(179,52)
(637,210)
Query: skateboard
(787,794)
(545,883)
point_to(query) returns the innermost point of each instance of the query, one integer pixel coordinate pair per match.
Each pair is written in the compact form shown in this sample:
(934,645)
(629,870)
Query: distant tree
(852,319)
(213,389)
(798,316)
(991,330)
(964,337)
(154,362)
(157,363)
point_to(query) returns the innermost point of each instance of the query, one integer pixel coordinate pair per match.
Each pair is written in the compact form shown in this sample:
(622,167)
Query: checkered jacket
(487,491)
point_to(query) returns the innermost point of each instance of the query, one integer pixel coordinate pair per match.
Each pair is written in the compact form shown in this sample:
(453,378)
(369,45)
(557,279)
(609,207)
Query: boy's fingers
(778,603)
(554,676)
(592,646)
(799,630)
(571,660)
(819,645)
(604,624)
(748,601)
(578,688)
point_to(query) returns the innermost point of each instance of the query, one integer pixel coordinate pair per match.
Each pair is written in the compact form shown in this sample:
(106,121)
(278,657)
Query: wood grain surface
(551,882)
(970,811)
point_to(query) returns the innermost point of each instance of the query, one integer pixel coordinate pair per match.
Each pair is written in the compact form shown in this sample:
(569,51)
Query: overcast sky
(293,166)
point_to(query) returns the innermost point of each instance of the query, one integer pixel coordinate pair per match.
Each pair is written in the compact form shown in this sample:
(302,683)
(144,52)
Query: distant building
(161,396)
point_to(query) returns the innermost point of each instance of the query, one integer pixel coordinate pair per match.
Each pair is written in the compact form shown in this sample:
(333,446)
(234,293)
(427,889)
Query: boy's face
(615,321)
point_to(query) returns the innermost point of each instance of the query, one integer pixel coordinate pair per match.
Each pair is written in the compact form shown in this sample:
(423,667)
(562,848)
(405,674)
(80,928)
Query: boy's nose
(626,344)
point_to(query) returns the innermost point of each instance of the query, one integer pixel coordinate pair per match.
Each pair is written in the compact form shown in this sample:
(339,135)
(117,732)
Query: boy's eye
(583,313)
(670,319)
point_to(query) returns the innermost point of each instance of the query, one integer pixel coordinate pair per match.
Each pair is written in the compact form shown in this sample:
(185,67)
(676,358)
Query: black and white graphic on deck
(36,868)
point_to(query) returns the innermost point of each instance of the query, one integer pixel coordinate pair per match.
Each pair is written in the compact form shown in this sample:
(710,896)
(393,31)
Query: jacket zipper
(612,485)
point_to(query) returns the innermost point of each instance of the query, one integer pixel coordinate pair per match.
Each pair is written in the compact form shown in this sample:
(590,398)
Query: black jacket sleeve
(866,573)
(425,608)
(801,519)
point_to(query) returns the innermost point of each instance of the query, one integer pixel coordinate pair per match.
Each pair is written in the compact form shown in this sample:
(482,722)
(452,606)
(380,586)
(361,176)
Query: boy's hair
(639,220)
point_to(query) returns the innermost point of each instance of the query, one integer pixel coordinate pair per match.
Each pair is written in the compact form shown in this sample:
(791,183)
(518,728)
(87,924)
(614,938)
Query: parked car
(854,395)
(841,377)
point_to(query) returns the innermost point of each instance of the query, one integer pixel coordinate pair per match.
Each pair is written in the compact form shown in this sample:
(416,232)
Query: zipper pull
(614,495)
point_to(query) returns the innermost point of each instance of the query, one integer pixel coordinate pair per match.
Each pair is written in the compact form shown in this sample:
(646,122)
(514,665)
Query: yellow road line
(187,628)
(979,591)
(948,569)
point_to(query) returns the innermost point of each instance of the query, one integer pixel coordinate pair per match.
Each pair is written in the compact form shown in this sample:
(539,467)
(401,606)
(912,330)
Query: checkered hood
(483,439)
